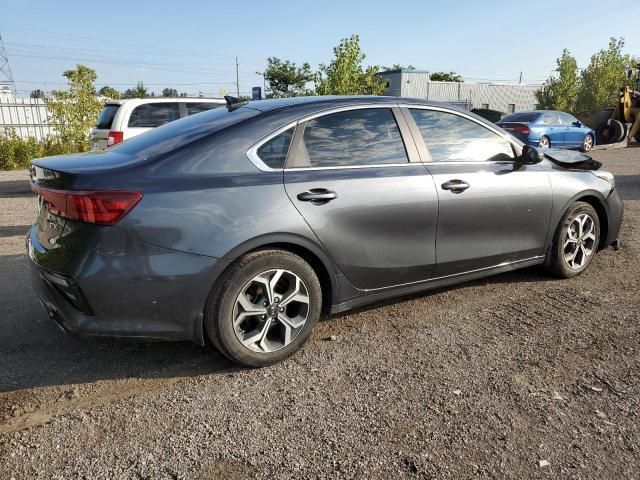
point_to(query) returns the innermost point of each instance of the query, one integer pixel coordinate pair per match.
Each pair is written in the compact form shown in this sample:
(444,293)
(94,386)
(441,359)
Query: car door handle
(456,186)
(317,196)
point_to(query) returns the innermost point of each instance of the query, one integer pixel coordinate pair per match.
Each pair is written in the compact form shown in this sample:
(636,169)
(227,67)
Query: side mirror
(530,155)
(576,124)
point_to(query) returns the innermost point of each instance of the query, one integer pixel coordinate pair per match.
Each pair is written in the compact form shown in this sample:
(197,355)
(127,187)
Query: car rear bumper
(119,286)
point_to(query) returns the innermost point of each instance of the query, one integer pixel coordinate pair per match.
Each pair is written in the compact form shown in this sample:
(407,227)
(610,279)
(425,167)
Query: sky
(192,45)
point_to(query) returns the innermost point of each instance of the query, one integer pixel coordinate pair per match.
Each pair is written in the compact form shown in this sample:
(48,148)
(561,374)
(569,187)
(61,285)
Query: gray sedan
(242,225)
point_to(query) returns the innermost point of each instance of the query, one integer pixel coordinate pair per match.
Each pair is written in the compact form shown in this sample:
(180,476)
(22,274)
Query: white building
(495,96)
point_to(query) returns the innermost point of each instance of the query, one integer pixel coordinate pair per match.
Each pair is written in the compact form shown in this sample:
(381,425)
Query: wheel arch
(313,254)
(594,199)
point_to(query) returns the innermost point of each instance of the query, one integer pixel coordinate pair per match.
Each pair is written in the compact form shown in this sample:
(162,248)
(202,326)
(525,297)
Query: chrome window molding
(252,153)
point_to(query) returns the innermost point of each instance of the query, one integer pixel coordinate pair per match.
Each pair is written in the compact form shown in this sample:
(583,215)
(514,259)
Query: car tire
(573,246)
(239,315)
(587,143)
(544,142)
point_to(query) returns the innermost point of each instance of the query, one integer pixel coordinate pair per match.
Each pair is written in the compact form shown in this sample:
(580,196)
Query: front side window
(355,137)
(274,152)
(453,138)
(566,119)
(154,114)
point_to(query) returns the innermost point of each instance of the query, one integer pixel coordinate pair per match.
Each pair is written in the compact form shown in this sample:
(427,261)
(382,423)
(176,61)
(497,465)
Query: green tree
(37,93)
(346,75)
(560,91)
(139,92)
(445,77)
(600,82)
(169,92)
(397,66)
(286,79)
(74,111)
(109,92)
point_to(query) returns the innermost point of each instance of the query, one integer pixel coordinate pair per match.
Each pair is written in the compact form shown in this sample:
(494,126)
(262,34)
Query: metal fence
(28,117)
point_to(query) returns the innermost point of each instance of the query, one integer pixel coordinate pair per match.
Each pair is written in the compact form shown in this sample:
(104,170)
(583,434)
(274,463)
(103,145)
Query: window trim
(422,146)
(252,153)
(406,136)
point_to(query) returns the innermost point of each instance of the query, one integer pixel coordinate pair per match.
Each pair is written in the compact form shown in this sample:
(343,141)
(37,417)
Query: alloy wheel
(271,310)
(587,144)
(580,241)
(544,142)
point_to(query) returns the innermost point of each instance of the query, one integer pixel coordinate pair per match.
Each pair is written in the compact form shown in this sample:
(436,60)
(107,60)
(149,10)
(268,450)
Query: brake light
(101,207)
(114,137)
(522,129)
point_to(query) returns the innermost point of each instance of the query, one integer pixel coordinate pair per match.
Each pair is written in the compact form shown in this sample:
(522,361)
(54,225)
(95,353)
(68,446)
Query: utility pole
(237,79)
(5,68)
(520,81)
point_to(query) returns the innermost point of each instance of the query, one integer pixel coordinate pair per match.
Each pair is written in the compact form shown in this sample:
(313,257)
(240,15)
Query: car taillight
(105,207)
(522,129)
(114,137)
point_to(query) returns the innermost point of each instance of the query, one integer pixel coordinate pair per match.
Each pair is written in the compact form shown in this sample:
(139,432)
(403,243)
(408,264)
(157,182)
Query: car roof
(323,102)
(142,101)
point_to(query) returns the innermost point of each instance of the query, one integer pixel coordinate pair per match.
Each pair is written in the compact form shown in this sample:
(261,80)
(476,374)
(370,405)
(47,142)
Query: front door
(375,212)
(491,210)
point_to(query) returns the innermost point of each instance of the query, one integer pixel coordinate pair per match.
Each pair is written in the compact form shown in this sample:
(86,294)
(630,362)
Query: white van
(123,119)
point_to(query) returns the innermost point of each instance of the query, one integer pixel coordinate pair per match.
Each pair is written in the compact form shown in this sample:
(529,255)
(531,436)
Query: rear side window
(193,108)
(274,152)
(105,119)
(154,114)
(550,119)
(452,138)
(354,137)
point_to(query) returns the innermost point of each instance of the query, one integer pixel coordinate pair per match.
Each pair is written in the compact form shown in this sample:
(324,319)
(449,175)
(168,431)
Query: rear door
(146,116)
(492,210)
(554,129)
(350,176)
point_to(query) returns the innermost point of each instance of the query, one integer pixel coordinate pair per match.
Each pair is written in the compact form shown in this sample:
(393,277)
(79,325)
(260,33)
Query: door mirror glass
(576,124)
(531,155)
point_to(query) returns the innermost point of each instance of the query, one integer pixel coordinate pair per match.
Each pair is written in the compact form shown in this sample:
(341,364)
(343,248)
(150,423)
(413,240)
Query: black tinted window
(105,119)
(193,108)
(154,114)
(354,137)
(452,138)
(274,152)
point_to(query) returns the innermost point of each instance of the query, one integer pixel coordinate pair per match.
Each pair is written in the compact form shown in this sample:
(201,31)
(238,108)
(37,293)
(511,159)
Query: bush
(16,152)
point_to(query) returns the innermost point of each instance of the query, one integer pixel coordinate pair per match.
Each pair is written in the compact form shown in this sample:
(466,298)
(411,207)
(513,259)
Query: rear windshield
(106,115)
(181,132)
(521,117)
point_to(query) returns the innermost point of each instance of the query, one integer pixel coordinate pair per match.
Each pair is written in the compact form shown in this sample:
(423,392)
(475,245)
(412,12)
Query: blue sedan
(548,128)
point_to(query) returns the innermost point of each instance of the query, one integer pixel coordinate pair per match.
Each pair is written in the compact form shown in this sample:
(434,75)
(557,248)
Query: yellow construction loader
(619,125)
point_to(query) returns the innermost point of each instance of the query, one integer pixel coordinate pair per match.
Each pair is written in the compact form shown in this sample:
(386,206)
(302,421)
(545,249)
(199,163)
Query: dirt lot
(486,379)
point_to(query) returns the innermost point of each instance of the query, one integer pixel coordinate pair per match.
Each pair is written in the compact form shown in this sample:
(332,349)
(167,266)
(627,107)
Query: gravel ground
(514,376)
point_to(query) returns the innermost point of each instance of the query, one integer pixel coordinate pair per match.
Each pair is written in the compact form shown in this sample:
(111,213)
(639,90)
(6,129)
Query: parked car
(243,224)
(548,128)
(123,119)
